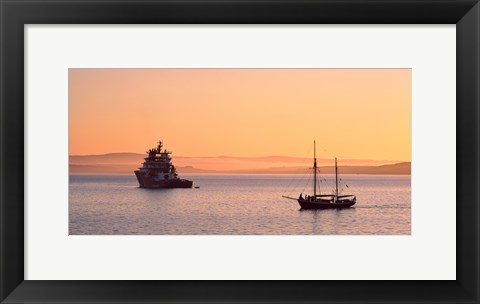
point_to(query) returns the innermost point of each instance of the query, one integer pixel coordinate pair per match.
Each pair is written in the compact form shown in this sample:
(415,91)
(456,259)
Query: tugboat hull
(324,204)
(146,181)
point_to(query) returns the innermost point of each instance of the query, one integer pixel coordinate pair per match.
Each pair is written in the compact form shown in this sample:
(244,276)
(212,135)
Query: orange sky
(354,114)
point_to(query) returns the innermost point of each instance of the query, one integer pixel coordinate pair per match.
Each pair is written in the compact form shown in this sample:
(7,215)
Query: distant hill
(394,169)
(111,158)
(128,162)
(136,158)
(113,168)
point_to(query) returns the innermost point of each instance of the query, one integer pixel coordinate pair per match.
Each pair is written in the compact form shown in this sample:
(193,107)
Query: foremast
(336,180)
(315,173)
(314,170)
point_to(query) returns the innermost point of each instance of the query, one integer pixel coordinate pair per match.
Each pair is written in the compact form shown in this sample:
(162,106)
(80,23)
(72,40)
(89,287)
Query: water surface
(236,205)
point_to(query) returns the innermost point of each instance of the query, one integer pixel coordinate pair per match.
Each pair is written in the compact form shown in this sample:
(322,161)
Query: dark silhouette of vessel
(159,172)
(324,201)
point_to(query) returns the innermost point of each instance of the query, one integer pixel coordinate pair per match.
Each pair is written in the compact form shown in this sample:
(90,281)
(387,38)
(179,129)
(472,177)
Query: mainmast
(336,179)
(314,170)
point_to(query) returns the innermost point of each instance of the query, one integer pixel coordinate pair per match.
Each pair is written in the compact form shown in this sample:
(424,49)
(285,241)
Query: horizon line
(234,156)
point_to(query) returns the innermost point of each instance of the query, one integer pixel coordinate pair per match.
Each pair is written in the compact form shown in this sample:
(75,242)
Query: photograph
(239,151)
(202,151)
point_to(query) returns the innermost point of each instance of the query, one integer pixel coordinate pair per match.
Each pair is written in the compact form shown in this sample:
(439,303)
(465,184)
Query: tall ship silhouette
(159,172)
(324,201)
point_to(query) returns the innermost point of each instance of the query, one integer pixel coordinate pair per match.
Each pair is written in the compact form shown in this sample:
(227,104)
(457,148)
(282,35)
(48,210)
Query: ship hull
(145,181)
(324,204)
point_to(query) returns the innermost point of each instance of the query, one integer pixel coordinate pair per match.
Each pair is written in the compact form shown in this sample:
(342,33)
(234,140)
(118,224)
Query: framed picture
(322,151)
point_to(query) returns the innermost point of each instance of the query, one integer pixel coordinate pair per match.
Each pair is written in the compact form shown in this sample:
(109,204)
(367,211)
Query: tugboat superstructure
(159,172)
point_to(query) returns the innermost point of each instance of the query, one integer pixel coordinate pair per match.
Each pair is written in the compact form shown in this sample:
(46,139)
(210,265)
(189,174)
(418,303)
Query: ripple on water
(233,204)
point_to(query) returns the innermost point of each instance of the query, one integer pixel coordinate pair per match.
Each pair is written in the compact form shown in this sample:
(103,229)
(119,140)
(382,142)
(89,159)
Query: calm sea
(236,204)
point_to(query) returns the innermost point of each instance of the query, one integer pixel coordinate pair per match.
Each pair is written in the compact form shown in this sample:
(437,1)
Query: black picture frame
(14,14)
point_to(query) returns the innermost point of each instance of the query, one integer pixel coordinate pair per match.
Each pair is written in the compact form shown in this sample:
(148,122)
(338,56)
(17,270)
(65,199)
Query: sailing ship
(324,201)
(159,172)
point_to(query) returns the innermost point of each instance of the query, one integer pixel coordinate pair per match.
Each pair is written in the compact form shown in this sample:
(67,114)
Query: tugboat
(159,172)
(324,201)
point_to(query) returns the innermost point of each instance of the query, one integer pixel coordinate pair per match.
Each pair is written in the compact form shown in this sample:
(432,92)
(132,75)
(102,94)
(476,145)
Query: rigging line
(307,186)
(296,172)
(319,182)
(289,189)
(299,182)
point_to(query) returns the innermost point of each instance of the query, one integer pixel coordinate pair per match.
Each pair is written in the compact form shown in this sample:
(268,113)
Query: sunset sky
(354,114)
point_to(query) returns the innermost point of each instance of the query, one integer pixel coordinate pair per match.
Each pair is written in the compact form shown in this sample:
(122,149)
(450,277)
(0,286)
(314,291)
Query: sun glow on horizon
(351,113)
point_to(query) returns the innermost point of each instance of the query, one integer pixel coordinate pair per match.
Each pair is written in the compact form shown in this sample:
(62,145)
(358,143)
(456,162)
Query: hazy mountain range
(127,162)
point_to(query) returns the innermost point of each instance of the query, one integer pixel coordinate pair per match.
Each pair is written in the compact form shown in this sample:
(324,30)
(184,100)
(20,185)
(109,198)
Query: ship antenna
(314,170)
